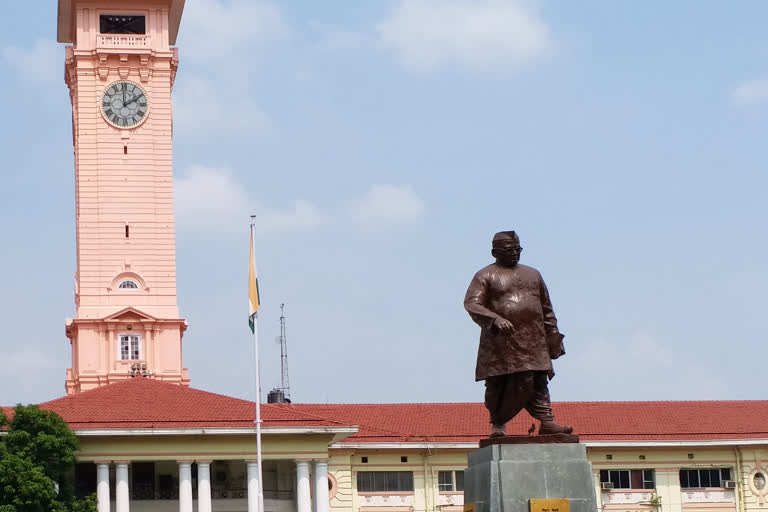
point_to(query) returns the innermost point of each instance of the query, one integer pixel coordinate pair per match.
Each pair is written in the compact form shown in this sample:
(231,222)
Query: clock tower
(120,68)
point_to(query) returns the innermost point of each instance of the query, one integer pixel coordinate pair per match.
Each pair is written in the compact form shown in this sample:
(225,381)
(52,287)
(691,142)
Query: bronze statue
(518,338)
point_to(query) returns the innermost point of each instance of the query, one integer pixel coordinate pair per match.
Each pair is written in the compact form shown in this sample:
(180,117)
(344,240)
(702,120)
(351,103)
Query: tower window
(127,231)
(130,347)
(122,24)
(128,284)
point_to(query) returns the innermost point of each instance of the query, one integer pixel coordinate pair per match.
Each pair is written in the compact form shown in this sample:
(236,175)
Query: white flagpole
(258,391)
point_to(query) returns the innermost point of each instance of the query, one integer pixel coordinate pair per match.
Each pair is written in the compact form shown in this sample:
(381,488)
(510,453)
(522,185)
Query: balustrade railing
(122,41)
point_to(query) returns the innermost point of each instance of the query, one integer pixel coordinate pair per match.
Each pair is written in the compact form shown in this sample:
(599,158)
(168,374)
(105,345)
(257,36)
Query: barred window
(701,478)
(128,284)
(628,478)
(384,481)
(449,481)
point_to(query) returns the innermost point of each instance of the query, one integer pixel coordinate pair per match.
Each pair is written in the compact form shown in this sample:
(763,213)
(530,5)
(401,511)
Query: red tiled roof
(8,411)
(592,421)
(146,403)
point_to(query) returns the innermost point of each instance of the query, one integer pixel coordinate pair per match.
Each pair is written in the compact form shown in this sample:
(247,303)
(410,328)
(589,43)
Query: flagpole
(258,390)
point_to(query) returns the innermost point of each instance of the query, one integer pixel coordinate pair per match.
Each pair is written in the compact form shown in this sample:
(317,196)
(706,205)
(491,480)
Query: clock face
(124,105)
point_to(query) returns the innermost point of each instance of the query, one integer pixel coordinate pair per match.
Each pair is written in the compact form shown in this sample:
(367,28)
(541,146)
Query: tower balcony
(123,41)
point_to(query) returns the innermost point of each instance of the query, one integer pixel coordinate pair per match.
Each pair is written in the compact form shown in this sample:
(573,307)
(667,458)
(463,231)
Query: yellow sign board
(469,507)
(559,505)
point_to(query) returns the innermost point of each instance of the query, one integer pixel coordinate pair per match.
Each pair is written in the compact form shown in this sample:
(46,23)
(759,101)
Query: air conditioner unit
(606,485)
(728,484)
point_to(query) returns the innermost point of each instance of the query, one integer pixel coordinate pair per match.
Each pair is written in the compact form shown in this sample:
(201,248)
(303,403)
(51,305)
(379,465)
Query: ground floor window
(701,478)
(628,478)
(384,481)
(450,481)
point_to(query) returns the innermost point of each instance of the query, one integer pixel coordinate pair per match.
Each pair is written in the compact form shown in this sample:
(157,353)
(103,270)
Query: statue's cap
(503,236)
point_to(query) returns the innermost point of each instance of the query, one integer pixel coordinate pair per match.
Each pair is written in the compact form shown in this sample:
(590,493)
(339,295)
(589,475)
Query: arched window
(128,284)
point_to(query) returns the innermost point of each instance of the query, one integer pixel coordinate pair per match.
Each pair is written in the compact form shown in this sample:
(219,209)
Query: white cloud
(199,108)
(639,368)
(213,28)
(44,62)
(24,362)
(386,205)
(303,216)
(491,34)
(212,200)
(750,93)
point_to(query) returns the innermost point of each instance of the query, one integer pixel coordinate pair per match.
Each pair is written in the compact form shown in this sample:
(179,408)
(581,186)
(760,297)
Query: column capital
(204,461)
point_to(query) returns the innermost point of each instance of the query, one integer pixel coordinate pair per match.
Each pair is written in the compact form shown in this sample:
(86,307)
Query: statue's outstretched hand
(504,325)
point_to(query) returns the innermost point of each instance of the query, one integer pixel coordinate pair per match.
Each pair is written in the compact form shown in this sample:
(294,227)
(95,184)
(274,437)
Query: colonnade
(304,502)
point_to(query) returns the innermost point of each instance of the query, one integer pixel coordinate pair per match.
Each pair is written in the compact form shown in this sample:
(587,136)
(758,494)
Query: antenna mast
(285,385)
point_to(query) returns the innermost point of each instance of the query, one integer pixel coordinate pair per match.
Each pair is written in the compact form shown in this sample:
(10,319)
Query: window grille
(385,481)
(702,478)
(450,481)
(629,478)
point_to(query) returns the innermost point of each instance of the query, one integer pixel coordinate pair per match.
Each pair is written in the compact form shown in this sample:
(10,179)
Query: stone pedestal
(505,477)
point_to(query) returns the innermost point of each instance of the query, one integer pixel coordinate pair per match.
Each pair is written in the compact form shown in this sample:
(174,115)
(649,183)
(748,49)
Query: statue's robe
(519,295)
(515,366)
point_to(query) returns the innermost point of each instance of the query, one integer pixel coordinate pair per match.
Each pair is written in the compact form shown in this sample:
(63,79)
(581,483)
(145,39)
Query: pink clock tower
(120,70)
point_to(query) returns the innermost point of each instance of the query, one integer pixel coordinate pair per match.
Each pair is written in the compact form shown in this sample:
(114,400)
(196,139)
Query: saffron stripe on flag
(254,299)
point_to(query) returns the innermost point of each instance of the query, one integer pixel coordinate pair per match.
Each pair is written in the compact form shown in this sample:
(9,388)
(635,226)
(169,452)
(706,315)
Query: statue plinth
(507,477)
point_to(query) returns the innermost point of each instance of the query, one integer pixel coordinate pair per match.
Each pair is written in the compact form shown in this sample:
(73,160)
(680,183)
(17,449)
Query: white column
(321,485)
(303,500)
(253,487)
(122,503)
(102,487)
(203,486)
(185,487)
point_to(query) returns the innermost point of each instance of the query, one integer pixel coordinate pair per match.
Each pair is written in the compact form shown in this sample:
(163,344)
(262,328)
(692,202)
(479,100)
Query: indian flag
(253,292)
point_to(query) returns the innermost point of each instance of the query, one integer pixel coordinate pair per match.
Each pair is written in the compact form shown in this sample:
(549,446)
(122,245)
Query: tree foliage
(37,458)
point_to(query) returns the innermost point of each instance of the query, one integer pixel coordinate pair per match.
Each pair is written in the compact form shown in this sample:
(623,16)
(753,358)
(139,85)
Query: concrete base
(503,478)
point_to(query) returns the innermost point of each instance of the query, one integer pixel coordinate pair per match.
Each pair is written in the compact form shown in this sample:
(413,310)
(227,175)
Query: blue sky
(381,145)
